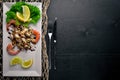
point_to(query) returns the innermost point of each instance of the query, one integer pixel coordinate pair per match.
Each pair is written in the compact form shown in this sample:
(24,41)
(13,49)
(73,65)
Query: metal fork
(50,33)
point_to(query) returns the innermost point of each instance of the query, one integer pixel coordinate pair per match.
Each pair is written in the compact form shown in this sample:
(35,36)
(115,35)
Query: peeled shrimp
(37,36)
(11,51)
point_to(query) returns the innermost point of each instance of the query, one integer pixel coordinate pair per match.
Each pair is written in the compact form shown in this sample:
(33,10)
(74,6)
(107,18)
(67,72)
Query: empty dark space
(88,39)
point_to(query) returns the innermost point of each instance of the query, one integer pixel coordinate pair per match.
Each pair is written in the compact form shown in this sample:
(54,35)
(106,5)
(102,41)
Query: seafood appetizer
(20,33)
(22,37)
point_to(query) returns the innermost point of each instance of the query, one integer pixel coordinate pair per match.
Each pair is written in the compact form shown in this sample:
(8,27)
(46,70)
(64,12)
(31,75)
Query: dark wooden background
(88,39)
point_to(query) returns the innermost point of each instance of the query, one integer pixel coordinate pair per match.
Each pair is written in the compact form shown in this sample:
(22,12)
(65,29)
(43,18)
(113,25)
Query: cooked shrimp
(11,51)
(11,22)
(37,36)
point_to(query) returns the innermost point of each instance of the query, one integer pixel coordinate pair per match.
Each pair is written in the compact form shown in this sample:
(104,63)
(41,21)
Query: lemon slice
(15,60)
(26,14)
(20,16)
(27,63)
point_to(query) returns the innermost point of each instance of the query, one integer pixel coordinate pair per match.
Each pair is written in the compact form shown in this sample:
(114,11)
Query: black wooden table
(88,39)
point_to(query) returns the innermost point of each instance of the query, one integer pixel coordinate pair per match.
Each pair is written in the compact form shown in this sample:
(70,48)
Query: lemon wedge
(20,16)
(27,63)
(24,17)
(15,60)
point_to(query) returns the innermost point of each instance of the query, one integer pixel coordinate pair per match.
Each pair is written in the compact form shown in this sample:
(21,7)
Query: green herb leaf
(10,15)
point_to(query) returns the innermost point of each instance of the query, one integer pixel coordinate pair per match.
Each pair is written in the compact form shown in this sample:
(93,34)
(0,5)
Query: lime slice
(26,14)
(27,63)
(15,60)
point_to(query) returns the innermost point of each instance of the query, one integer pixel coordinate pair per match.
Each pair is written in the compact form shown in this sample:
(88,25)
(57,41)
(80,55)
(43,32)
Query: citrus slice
(24,17)
(26,12)
(27,63)
(15,60)
(20,16)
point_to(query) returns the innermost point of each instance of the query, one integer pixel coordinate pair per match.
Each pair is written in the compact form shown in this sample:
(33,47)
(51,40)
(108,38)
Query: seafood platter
(22,44)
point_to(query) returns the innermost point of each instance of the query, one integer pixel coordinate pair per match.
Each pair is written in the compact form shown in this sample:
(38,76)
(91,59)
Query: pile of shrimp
(21,37)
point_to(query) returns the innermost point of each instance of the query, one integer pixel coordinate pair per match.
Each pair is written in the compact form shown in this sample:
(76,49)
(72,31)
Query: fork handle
(49,54)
